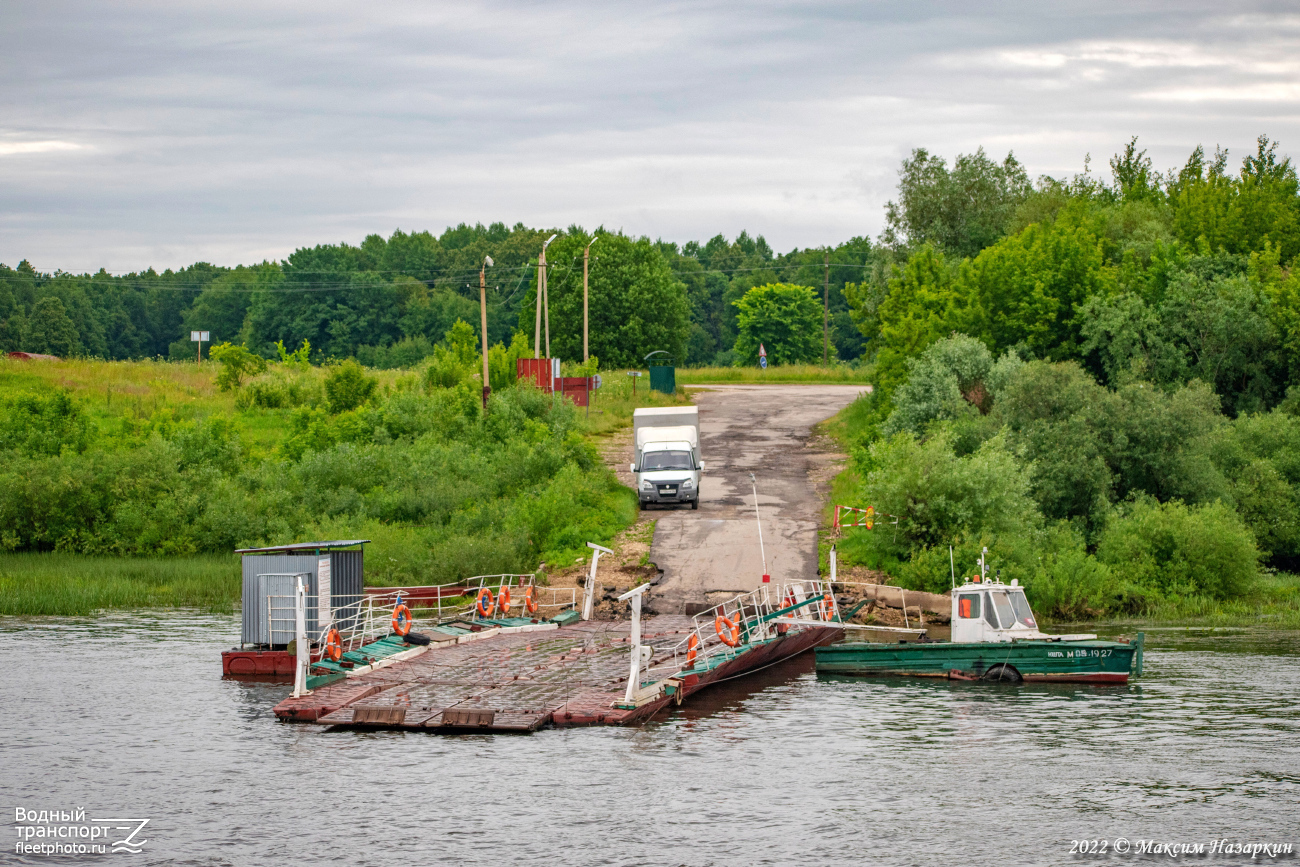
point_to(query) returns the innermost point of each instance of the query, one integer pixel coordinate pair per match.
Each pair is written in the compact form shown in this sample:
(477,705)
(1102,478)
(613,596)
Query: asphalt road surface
(711,553)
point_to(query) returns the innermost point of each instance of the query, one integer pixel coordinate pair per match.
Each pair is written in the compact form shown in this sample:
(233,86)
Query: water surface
(127,714)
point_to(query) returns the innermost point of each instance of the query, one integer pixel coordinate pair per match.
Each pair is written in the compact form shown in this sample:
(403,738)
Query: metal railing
(370,617)
(755,616)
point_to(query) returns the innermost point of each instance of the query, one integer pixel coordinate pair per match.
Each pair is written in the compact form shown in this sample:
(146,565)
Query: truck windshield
(668,460)
(1023,615)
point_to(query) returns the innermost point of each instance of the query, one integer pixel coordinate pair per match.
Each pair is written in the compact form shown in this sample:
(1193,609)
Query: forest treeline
(387,302)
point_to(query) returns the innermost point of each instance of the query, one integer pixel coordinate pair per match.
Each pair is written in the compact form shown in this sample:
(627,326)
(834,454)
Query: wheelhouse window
(968,606)
(1005,612)
(989,615)
(1024,616)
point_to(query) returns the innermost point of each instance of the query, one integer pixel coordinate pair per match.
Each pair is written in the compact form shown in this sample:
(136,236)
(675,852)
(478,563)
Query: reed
(69,585)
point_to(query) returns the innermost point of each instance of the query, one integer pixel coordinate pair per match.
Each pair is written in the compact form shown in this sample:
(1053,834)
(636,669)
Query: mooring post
(634,674)
(589,596)
(303,655)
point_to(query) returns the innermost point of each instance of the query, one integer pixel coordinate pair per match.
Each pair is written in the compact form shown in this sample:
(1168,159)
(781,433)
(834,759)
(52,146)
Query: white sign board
(324,611)
(199,337)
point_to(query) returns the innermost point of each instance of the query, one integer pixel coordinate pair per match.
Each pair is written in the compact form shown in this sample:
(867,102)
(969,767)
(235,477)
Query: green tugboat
(994,637)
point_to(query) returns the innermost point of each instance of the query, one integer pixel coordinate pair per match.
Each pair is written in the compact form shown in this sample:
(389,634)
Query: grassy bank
(74,584)
(782,375)
(147,474)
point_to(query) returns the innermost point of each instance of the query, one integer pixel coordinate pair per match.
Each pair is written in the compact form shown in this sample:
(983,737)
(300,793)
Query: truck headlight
(687,485)
(647,485)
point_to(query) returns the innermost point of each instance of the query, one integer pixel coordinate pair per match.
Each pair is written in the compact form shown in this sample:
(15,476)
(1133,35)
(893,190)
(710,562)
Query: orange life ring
(692,648)
(530,599)
(828,607)
(728,630)
(484,603)
(503,600)
(401,619)
(333,646)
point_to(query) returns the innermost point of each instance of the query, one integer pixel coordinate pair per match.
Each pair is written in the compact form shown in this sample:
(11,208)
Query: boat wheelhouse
(995,636)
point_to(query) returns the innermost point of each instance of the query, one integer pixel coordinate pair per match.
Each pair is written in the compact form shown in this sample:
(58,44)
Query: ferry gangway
(727,629)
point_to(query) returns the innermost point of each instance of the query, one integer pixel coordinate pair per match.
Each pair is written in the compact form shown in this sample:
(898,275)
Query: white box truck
(668,465)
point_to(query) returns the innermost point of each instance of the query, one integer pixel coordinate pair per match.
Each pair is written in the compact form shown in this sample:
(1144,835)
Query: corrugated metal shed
(347,575)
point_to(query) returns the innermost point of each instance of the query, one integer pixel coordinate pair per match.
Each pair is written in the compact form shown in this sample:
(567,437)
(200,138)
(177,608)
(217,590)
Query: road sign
(762,353)
(762,361)
(199,337)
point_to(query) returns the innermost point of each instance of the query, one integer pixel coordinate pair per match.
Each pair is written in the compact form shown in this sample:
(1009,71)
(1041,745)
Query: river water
(127,716)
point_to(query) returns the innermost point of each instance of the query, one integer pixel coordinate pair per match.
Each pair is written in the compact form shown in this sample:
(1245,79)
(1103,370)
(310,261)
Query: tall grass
(74,584)
(783,374)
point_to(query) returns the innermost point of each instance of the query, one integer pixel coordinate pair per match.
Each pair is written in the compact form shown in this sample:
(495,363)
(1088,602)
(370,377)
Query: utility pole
(482,306)
(586,256)
(541,290)
(826,310)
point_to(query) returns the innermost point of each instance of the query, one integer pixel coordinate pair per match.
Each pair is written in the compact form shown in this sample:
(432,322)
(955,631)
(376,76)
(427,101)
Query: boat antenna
(766,577)
(952,567)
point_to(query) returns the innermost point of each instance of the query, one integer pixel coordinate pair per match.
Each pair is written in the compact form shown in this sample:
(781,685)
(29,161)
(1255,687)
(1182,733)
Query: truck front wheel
(695,504)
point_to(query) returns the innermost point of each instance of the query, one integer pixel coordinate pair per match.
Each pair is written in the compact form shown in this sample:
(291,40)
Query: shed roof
(302,546)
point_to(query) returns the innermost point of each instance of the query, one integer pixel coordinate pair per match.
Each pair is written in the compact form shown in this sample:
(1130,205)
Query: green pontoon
(994,637)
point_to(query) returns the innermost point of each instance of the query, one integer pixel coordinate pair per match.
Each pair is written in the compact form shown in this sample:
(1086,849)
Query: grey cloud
(235,132)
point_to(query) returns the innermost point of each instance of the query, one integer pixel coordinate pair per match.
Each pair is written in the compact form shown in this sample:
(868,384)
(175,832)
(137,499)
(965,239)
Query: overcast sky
(156,134)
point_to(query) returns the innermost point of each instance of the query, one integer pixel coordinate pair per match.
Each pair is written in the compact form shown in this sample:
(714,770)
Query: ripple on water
(128,713)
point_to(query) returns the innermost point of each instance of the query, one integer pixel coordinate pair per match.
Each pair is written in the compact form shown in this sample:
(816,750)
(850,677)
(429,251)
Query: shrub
(236,363)
(1177,550)
(44,424)
(347,387)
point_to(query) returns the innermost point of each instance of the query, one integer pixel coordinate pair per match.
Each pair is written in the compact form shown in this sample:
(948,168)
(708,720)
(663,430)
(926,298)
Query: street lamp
(541,300)
(482,307)
(586,255)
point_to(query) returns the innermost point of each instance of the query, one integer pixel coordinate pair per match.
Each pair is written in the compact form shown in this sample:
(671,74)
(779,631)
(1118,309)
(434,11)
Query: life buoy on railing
(692,649)
(333,646)
(828,607)
(530,599)
(484,603)
(401,620)
(728,630)
(503,600)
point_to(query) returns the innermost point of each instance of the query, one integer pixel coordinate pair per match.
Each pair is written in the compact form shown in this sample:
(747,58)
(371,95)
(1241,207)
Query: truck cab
(668,468)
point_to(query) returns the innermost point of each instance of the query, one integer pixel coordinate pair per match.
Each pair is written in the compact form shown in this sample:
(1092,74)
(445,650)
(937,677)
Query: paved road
(766,430)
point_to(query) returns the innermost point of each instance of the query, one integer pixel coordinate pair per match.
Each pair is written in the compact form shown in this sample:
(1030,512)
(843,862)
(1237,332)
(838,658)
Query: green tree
(922,306)
(786,320)
(50,330)
(636,304)
(1026,288)
(961,211)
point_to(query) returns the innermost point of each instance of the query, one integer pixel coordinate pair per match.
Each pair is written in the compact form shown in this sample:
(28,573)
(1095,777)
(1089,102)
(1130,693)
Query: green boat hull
(1043,661)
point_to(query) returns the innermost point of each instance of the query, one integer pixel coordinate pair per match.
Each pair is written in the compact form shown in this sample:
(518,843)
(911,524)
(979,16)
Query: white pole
(832,565)
(766,577)
(589,597)
(300,637)
(634,672)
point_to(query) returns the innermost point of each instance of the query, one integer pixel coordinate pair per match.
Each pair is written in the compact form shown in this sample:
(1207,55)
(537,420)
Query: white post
(634,673)
(303,658)
(589,597)
(832,568)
